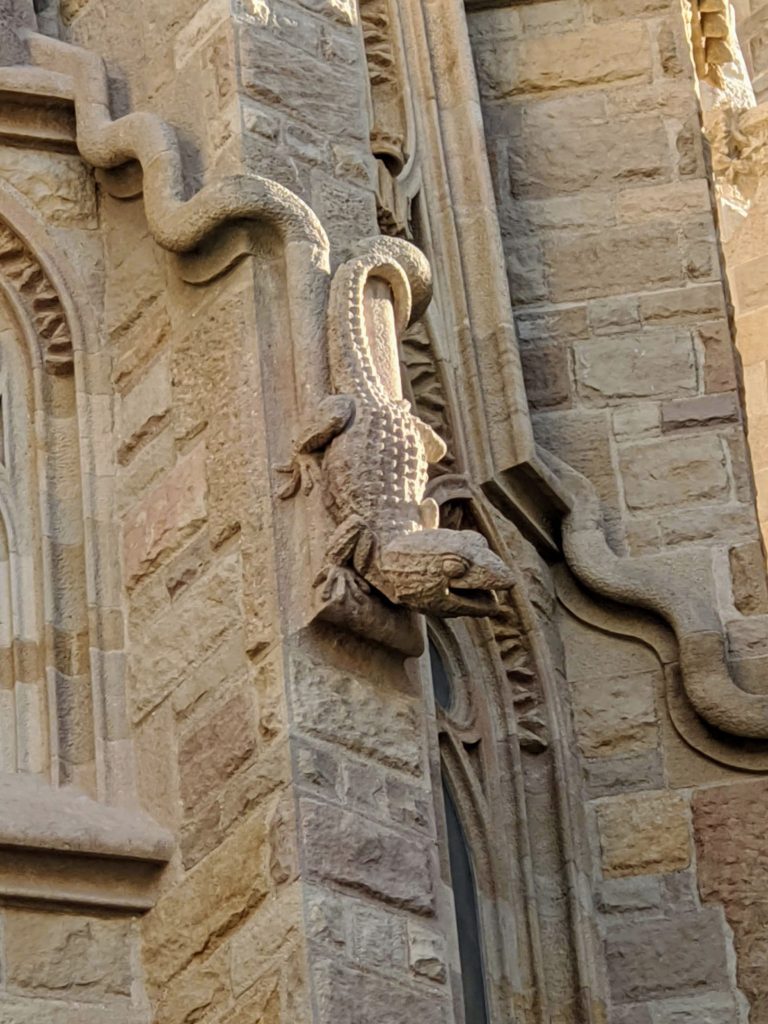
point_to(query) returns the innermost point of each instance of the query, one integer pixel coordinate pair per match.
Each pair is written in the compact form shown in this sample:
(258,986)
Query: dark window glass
(441,683)
(467,916)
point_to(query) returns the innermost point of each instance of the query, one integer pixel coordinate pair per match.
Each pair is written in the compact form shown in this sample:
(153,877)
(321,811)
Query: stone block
(683,305)
(59,185)
(343,709)
(183,635)
(68,955)
(748,637)
(609,316)
(652,959)
(638,257)
(750,587)
(643,834)
(143,410)
(546,375)
(713,1008)
(377,936)
(719,362)
(563,161)
(594,55)
(342,994)
(172,511)
(607,776)
(653,202)
(623,895)
(212,750)
(207,903)
(675,472)
(616,715)
(637,421)
(651,364)
(361,855)
(270,932)
(701,411)
(552,325)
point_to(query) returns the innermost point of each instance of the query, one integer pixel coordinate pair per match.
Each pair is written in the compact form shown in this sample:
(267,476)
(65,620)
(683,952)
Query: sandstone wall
(614,266)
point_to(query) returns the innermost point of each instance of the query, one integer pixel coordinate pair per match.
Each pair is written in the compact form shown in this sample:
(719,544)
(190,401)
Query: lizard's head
(443,572)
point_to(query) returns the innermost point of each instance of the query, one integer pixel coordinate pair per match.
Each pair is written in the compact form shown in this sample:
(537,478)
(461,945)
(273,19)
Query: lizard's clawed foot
(301,474)
(339,582)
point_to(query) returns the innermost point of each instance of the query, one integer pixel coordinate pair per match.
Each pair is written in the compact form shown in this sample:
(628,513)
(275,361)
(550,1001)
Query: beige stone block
(172,511)
(683,305)
(59,954)
(630,258)
(143,411)
(644,834)
(719,365)
(615,716)
(654,202)
(207,903)
(750,284)
(650,364)
(200,990)
(175,643)
(268,936)
(752,336)
(673,472)
(594,55)
(755,377)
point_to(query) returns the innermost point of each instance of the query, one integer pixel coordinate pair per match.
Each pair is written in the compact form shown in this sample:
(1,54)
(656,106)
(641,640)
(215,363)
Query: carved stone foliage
(23,274)
(388,129)
(738,139)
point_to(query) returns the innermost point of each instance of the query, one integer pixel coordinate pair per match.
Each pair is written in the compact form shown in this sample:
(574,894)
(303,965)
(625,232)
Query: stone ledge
(37,108)
(60,845)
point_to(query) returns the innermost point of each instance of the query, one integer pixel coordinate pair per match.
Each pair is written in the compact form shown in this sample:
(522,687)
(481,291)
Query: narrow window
(467,916)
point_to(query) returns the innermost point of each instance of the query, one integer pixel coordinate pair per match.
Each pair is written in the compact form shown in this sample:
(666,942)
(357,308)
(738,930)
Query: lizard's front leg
(333,415)
(351,545)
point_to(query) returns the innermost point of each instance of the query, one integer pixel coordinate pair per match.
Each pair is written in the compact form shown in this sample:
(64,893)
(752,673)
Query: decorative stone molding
(713,39)
(673,588)
(25,275)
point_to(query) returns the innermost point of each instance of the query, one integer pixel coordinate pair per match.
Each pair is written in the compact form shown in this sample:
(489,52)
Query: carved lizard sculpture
(375,453)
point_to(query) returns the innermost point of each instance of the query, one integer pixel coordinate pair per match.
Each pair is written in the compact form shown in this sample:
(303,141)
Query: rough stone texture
(646,834)
(165,645)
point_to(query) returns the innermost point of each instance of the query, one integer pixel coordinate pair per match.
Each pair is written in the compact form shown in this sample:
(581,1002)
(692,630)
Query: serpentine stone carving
(375,455)
(678,595)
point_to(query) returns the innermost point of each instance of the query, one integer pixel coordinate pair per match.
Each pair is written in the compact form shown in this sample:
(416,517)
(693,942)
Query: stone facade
(383,499)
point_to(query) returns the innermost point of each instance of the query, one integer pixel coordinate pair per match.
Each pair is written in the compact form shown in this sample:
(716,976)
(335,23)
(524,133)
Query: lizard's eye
(453,566)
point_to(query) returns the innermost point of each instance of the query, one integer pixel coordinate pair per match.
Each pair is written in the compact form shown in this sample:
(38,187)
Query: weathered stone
(377,935)
(750,588)
(615,716)
(186,633)
(674,472)
(362,855)
(653,959)
(214,749)
(212,899)
(608,776)
(622,895)
(427,953)
(698,412)
(643,834)
(343,994)
(647,365)
(343,709)
(55,955)
(171,513)
(546,373)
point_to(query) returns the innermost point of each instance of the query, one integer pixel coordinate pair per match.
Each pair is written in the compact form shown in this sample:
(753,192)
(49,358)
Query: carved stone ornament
(713,39)
(678,593)
(738,139)
(376,452)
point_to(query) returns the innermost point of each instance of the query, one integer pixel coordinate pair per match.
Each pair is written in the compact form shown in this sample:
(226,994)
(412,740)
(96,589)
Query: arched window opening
(467,916)
(460,861)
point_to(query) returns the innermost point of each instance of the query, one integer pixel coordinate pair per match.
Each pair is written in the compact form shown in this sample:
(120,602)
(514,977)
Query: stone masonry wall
(614,266)
(306,883)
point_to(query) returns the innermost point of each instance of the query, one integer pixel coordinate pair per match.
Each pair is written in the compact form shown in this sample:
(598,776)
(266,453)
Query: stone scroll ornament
(373,453)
